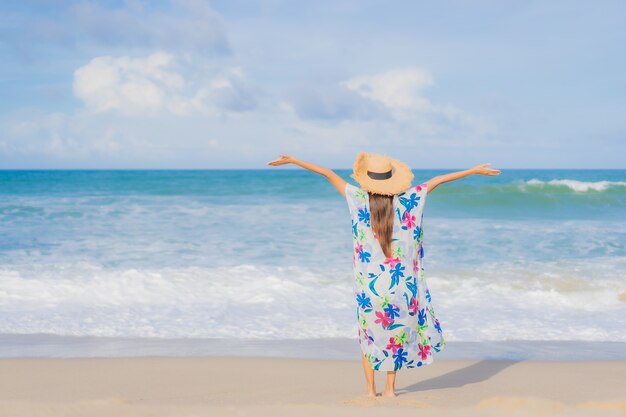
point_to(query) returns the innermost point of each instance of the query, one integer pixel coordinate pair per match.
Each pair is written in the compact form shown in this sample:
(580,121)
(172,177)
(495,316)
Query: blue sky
(232,84)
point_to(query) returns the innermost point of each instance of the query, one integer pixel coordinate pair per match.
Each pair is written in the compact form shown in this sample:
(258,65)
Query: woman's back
(407,208)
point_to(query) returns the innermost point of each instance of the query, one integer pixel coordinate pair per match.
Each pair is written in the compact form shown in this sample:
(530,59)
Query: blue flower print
(416,233)
(411,202)
(363,256)
(364,216)
(392,311)
(428,295)
(437,326)
(363,300)
(396,273)
(355,231)
(412,286)
(399,358)
(422,317)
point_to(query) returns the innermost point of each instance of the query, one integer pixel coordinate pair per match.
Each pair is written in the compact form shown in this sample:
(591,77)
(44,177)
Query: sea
(526,264)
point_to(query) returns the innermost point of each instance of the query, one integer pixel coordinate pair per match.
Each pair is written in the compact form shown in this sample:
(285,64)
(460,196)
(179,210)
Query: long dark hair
(381,208)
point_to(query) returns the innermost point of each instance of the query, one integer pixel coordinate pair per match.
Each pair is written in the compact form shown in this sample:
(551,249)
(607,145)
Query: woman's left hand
(284,159)
(484,170)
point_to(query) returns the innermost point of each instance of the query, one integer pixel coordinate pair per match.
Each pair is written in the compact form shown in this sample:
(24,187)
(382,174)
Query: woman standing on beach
(397,324)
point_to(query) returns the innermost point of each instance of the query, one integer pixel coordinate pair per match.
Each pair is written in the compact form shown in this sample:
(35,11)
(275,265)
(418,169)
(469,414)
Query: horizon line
(275,169)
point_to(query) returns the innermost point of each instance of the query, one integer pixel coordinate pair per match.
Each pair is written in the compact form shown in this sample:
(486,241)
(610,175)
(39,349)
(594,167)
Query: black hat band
(379,175)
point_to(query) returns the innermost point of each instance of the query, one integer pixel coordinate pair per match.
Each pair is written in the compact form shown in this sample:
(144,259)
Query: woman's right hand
(284,159)
(484,170)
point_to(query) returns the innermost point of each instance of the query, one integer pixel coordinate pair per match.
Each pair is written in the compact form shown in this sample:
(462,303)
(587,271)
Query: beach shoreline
(62,346)
(186,386)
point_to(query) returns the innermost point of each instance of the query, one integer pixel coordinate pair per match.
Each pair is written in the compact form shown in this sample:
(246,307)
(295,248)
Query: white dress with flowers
(397,324)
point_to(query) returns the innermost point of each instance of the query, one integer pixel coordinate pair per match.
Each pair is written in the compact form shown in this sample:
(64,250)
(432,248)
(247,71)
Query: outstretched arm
(479,169)
(336,180)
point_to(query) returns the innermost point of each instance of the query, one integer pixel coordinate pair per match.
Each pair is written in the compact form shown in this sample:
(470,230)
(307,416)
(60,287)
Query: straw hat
(380,174)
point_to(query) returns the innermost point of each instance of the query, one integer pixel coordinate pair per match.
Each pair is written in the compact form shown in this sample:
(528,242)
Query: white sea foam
(578,186)
(531,301)
(502,266)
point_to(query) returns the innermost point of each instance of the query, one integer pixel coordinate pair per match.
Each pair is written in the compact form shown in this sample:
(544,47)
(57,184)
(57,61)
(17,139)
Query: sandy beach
(241,386)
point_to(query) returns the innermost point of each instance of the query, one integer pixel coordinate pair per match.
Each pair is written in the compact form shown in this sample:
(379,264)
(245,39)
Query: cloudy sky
(232,84)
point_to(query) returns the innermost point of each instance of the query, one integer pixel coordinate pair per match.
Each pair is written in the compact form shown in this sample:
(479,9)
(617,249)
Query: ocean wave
(575,300)
(574,185)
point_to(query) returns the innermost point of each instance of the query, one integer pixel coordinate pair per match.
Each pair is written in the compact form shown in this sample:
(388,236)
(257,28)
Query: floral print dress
(397,324)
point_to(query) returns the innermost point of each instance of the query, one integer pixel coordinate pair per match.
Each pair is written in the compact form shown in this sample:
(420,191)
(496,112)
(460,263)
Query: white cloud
(396,99)
(126,84)
(402,92)
(367,97)
(36,132)
(153,84)
(399,88)
(335,104)
(380,112)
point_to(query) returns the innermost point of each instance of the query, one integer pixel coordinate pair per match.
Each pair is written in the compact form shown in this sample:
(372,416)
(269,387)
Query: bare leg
(390,390)
(369,377)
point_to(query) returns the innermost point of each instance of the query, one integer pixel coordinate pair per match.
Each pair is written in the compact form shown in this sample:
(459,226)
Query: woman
(397,324)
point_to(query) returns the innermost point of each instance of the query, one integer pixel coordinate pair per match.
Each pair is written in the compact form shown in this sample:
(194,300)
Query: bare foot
(389,394)
(371,394)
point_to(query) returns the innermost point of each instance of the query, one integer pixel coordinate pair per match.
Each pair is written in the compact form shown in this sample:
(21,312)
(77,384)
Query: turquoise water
(588,194)
(529,254)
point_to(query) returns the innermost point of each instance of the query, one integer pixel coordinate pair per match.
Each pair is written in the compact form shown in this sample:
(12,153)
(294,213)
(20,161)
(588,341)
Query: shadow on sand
(477,372)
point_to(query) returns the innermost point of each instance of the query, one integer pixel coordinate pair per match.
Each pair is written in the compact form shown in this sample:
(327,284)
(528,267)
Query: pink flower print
(358,248)
(392,262)
(416,265)
(393,345)
(424,351)
(414,306)
(383,319)
(408,220)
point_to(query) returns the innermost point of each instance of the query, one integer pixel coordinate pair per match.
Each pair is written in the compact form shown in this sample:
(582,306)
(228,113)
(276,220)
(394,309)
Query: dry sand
(242,386)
